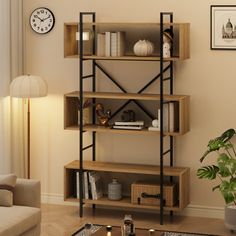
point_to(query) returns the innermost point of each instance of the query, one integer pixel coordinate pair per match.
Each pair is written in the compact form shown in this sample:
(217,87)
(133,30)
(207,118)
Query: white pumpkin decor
(143,48)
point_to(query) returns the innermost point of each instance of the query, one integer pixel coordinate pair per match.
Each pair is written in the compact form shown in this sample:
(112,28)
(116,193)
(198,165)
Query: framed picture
(223,27)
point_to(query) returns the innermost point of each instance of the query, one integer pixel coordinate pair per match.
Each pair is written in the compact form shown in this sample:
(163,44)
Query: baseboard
(190,210)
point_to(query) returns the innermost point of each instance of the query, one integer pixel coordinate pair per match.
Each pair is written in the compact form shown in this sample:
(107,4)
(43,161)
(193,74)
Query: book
(151,128)
(165,117)
(96,185)
(120,43)
(129,123)
(107,44)
(86,188)
(113,44)
(101,44)
(138,127)
(173,116)
(77,184)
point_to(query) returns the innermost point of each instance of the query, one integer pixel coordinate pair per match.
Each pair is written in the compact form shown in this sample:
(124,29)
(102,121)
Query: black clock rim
(54,19)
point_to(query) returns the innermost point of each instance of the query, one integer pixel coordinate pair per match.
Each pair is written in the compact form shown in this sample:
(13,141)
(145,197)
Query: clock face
(42,20)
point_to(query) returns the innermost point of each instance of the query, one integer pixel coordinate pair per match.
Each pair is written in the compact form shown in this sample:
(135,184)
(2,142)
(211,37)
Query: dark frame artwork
(223,27)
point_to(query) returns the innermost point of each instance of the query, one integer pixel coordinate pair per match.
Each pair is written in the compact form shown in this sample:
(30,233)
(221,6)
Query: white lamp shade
(28,86)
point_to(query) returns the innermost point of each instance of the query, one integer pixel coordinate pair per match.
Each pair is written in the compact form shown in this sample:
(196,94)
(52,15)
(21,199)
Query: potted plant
(225,170)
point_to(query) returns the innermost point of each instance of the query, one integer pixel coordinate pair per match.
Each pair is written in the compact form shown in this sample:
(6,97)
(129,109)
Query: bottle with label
(128,227)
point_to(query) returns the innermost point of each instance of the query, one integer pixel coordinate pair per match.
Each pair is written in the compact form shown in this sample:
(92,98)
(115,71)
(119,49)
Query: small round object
(42,20)
(155,123)
(143,48)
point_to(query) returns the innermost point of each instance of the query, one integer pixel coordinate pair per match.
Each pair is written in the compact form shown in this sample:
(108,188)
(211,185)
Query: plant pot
(230,217)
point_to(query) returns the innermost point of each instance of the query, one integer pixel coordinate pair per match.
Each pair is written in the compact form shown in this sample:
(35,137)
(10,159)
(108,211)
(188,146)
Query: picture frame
(223,27)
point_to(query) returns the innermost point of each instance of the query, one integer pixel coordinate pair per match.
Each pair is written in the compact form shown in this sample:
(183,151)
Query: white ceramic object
(143,48)
(230,217)
(155,123)
(114,190)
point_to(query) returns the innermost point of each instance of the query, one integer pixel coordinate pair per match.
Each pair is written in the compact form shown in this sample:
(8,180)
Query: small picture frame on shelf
(223,27)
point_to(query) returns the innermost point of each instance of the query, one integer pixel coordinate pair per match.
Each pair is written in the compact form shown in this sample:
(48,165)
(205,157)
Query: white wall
(208,77)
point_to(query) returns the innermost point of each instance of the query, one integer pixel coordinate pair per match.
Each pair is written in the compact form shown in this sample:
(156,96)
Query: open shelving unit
(86,50)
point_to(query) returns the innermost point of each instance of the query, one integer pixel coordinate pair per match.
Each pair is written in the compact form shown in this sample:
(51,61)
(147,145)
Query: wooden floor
(63,220)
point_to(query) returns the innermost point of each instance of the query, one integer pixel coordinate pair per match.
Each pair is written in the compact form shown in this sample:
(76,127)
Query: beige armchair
(24,217)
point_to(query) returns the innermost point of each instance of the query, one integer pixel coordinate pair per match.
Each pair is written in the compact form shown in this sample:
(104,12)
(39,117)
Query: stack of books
(133,125)
(111,44)
(92,185)
(170,118)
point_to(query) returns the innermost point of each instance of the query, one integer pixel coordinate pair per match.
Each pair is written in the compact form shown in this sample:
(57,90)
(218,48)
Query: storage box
(146,193)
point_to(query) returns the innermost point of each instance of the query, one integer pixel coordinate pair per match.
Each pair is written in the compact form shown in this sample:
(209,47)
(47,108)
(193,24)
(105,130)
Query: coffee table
(100,230)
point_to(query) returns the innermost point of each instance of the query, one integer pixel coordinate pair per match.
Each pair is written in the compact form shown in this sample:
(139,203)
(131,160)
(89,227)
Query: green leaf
(223,157)
(207,172)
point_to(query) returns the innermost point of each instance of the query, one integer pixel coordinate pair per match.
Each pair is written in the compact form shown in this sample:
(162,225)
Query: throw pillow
(7,184)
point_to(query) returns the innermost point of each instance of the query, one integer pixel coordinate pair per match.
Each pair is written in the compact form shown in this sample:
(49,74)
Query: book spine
(101,44)
(86,194)
(165,117)
(120,43)
(77,185)
(92,184)
(113,44)
(127,127)
(107,44)
(135,123)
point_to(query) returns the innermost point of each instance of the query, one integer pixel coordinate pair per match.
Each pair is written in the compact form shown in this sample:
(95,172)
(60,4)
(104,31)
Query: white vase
(230,217)
(143,48)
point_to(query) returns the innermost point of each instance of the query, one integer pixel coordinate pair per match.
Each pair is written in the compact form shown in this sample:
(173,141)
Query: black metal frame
(160,76)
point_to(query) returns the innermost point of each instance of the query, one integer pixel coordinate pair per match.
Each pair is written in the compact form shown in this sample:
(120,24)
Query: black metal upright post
(161,118)
(81,113)
(162,71)
(81,77)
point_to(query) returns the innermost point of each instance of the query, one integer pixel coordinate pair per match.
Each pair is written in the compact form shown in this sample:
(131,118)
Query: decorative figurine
(86,112)
(167,43)
(103,116)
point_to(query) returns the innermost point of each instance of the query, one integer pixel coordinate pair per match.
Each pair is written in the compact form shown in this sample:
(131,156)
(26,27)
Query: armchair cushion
(7,184)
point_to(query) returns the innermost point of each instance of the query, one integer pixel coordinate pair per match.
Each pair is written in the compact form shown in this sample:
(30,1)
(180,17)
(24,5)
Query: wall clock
(42,20)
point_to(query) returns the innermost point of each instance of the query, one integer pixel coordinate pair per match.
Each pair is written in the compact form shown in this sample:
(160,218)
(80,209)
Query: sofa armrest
(27,193)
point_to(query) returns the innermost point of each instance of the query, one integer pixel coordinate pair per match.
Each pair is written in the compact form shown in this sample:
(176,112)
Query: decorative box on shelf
(148,193)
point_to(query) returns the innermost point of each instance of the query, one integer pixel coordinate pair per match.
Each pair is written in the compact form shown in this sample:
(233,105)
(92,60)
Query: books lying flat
(138,127)
(130,123)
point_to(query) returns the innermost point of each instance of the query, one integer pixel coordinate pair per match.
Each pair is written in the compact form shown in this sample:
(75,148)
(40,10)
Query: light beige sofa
(24,217)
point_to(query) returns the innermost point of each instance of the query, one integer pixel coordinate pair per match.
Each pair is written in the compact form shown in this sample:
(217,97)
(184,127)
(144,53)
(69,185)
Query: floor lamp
(28,86)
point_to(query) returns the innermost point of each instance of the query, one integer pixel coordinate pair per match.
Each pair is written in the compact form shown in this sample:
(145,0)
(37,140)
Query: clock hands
(46,18)
(39,18)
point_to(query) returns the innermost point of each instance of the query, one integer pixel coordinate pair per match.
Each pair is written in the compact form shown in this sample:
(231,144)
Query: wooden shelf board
(124,202)
(87,24)
(108,129)
(131,58)
(127,168)
(125,96)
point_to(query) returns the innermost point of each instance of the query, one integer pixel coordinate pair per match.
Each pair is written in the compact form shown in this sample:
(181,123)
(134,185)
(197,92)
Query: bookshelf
(86,51)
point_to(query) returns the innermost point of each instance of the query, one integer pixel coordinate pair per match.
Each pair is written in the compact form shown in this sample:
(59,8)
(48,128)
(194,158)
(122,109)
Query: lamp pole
(28,139)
